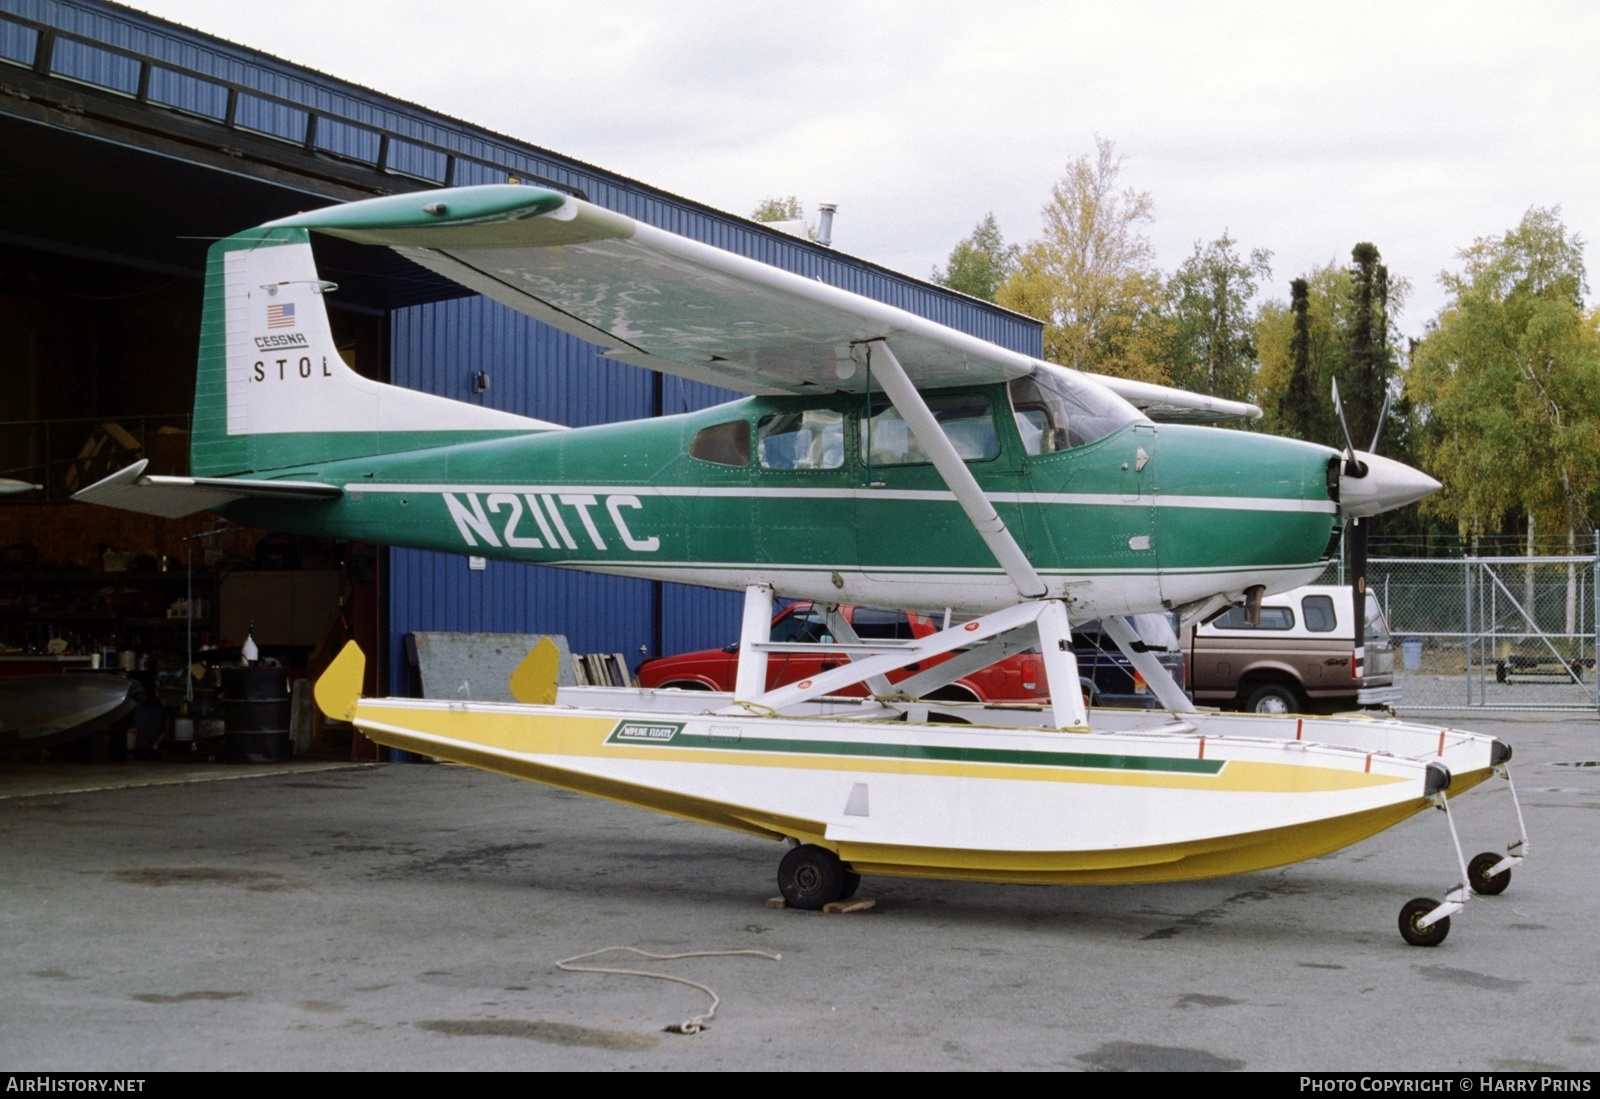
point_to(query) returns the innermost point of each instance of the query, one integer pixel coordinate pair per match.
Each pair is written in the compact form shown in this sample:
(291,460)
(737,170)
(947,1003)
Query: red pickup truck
(1018,678)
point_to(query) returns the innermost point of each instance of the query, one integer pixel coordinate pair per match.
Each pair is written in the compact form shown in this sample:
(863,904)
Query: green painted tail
(273,393)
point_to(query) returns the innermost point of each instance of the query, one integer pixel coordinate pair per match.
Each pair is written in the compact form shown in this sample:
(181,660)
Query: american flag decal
(280,316)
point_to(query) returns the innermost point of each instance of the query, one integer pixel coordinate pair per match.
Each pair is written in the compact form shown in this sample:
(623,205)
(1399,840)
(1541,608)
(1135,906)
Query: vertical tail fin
(273,392)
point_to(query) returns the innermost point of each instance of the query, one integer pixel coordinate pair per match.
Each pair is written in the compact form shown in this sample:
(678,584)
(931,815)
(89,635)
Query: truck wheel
(1272,699)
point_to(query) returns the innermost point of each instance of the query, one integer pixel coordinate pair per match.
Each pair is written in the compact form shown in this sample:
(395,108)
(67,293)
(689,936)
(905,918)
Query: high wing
(660,301)
(1177,406)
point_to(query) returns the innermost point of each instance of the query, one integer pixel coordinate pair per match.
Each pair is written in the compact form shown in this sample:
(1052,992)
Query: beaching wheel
(810,877)
(1482,882)
(1413,932)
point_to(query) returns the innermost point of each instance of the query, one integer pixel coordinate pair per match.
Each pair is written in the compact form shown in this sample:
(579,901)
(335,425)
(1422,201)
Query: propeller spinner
(1369,485)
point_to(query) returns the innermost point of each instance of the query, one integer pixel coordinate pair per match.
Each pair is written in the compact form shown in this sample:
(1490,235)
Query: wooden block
(777,902)
(856,904)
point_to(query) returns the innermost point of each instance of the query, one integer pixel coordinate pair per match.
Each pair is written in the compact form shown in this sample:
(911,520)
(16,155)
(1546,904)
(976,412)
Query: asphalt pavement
(411,917)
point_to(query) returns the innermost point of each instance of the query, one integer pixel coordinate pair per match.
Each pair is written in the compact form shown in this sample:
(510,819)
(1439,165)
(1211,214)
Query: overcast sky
(1298,128)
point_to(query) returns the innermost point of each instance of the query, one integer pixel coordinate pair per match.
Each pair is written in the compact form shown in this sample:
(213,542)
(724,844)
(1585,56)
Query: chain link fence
(1497,633)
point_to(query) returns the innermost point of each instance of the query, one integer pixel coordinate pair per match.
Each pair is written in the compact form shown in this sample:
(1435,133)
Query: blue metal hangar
(129,143)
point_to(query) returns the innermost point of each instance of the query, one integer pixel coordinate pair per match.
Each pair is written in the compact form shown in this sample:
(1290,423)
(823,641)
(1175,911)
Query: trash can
(1411,653)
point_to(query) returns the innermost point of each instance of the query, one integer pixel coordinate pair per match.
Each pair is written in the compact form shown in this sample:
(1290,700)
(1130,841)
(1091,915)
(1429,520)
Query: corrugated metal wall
(534,370)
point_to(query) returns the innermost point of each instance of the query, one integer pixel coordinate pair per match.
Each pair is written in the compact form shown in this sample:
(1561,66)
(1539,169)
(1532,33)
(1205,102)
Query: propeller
(1357,528)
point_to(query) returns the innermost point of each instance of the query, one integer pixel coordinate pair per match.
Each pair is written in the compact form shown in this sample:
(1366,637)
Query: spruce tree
(1367,372)
(1301,409)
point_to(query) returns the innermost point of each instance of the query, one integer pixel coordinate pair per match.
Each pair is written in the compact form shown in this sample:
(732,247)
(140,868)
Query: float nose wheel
(1418,924)
(1490,873)
(810,877)
(1426,922)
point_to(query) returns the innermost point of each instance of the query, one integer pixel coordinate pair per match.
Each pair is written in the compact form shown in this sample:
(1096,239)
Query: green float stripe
(928,753)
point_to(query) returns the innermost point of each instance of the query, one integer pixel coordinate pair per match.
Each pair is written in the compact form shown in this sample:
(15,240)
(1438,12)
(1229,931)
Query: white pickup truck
(1300,657)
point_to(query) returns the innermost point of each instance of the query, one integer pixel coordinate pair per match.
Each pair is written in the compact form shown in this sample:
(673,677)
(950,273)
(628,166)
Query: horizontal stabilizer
(174,497)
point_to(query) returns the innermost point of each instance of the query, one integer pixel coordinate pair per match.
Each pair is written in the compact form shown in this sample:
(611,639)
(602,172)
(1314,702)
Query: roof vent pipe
(825,212)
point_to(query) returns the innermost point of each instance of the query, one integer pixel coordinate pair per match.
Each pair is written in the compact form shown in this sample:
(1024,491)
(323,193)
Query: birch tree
(1091,275)
(1508,381)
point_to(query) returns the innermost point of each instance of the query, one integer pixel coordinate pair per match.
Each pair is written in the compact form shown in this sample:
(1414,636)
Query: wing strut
(886,369)
(1045,618)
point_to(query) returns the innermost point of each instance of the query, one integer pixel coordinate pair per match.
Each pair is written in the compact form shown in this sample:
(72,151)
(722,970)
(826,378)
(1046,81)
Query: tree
(1209,335)
(1300,411)
(1508,384)
(1370,365)
(980,263)
(786,212)
(1343,332)
(1309,340)
(1091,275)
(779,208)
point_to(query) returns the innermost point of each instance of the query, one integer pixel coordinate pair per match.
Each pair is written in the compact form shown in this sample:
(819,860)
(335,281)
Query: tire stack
(255,711)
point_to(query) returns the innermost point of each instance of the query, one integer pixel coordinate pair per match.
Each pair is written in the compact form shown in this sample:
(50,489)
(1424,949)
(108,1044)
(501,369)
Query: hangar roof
(135,140)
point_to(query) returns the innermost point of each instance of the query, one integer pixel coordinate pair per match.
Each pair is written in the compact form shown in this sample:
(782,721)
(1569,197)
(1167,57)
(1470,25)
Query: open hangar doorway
(132,140)
(102,258)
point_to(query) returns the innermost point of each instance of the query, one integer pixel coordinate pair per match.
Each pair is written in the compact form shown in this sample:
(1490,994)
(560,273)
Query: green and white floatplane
(879,459)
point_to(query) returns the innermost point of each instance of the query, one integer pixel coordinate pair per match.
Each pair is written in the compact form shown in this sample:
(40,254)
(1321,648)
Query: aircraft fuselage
(824,502)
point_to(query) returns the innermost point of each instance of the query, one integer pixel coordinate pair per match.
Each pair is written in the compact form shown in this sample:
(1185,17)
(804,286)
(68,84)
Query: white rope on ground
(695,1023)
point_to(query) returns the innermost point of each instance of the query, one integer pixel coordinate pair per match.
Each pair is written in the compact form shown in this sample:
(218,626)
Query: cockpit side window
(722,444)
(967,420)
(1057,411)
(809,439)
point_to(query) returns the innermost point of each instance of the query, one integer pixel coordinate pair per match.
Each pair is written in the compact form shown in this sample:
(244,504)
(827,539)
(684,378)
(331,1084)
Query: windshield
(1058,410)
